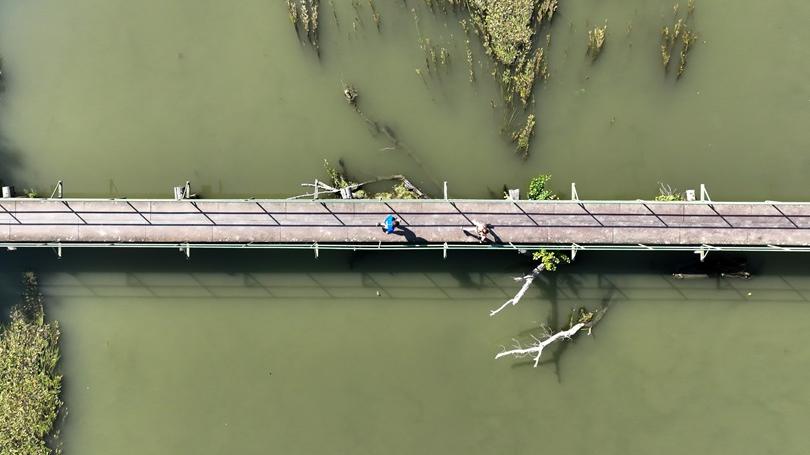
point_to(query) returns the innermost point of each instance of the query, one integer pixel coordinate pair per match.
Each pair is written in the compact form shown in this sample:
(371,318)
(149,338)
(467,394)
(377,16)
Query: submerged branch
(537,349)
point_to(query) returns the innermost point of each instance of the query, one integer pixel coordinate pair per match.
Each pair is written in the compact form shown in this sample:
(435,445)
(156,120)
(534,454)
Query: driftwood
(323,188)
(536,350)
(585,321)
(527,282)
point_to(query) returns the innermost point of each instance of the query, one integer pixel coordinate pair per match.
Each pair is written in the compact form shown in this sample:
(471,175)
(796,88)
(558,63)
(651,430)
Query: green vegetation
(505,26)
(668,194)
(550,259)
(304,15)
(403,189)
(29,383)
(679,37)
(507,29)
(523,136)
(538,190)
(596,40)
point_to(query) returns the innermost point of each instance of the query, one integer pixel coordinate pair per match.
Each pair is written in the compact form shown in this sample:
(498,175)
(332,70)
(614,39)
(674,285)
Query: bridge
(700,226)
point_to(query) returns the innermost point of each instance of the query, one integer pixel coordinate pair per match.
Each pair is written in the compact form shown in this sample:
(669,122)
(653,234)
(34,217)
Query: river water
(256,352)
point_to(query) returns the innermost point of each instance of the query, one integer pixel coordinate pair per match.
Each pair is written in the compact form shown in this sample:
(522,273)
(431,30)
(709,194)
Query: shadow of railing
(465,276)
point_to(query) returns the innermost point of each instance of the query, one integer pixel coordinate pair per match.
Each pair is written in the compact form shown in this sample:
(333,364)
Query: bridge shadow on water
(463,276)
(10,162)
(594,281)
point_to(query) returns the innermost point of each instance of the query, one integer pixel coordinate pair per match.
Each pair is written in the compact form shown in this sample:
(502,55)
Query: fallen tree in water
(581,319)
(584,320)
(29,383)
(548,261)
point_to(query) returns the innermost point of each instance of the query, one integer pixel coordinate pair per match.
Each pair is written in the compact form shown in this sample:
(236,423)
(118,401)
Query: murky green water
(254,353)
(129,98)
(251,352)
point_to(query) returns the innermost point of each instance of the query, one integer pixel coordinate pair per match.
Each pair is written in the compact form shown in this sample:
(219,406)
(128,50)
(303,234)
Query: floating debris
(350,93)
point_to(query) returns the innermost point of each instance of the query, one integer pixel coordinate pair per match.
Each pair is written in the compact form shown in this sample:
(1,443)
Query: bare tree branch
(527,282)
(537,349)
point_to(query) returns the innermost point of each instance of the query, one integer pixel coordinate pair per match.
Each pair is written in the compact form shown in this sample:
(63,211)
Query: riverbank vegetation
(29,383)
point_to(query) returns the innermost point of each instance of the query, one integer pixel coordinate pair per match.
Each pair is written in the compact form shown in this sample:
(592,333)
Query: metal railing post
(704,194)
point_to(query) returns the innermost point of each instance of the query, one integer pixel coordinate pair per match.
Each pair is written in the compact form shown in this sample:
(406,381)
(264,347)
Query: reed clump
(668,194)
(375,16)
(596,40)
(678,38)
(523,136)
(527,73)
(304,15)
(29,383)
(507,30)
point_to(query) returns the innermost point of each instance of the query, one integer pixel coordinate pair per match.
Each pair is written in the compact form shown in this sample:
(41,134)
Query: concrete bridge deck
(351,223)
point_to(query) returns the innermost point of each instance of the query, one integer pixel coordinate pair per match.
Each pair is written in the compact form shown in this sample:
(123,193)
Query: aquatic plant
(313,19)
(305,14)
(596,40)
(680,37)
(399,191)
(444,57)
(506,26)
(375,16)
(507,29)
(546,10)
(469,54)
(29,383)
(668,194)
(538,190)
(523,80)
(523,136)
(687,38)
(292,9)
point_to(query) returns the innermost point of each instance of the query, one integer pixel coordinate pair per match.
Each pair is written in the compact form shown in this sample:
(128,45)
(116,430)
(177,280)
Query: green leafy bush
(29,383)
(538,190)
(550,259)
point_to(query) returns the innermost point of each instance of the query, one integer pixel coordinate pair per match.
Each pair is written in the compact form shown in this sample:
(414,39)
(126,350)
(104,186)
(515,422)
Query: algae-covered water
(257,352)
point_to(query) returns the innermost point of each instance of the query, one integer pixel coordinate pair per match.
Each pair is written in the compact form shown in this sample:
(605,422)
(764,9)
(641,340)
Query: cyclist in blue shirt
(390,224)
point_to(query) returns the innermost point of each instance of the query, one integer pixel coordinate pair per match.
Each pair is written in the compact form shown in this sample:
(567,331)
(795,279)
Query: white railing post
(704,194)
